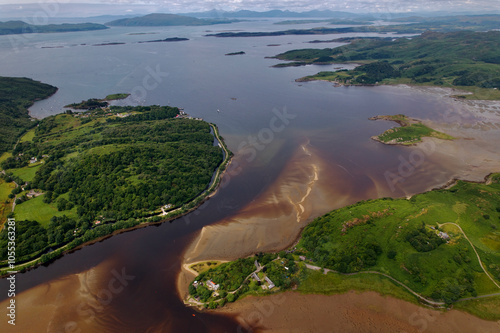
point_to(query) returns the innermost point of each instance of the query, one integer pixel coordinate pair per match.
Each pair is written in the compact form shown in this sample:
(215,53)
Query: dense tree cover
(229,276)
(140,167)
(153,112)
(117,172)
(30,237)
(90,104)
(423,240)
(16,96)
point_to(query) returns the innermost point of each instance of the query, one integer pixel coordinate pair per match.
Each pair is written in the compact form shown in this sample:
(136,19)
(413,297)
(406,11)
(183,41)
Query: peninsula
(434,58)
(78,177)
(438,248)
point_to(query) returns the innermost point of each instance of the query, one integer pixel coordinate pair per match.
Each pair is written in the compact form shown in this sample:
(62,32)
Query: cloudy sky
(96,7)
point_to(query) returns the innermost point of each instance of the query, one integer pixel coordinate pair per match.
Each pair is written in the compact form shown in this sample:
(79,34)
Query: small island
(94,103)
(410,133)
(170,39)
(235,53)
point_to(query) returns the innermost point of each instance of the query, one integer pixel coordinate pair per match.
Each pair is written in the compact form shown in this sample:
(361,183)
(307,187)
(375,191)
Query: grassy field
(26,173)
(5,202)
(36,210)
(205,266)
(332,283)
(28,136)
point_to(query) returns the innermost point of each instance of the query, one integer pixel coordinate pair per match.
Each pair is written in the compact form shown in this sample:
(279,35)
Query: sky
(120,7)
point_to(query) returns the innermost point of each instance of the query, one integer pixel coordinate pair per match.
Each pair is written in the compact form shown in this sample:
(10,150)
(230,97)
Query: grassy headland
(440,248)
(86,175)
(464,60)
(411,131)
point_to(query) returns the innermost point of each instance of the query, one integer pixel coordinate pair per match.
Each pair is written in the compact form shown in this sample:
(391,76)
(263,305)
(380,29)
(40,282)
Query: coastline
(479,170)
(211,190)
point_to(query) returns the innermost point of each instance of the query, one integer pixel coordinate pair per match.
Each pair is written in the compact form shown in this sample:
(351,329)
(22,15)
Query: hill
(20,27)
(16,96)
(468,60)
(438,248)
(153,20)
(80,176)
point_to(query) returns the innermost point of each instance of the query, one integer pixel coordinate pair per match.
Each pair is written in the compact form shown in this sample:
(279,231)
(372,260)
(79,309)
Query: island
(94,103)
(410,133)
(20,27)
(438,249)
(82,176)
(235,53)
(170,39)
(433,58)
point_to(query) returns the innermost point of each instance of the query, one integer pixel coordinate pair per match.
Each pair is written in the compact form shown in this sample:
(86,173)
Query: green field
(36,210)
(433,58)
(26,173)
(28,136)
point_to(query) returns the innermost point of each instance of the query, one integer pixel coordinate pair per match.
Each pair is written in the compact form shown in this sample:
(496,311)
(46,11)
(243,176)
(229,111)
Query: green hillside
(16,96)
(91,173)
(468,60)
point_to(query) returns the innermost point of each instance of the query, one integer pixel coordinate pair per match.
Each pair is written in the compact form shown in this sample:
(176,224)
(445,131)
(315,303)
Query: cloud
(380,6)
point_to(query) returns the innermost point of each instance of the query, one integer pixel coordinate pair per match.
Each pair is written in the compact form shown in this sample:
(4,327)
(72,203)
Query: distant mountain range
(153,20)
(274,13)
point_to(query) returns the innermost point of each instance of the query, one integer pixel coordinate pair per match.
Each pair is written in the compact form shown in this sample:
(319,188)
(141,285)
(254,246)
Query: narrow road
(326,270)
(474,248)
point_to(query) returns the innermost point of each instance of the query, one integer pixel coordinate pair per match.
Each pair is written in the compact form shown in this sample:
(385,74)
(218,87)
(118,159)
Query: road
(477,254)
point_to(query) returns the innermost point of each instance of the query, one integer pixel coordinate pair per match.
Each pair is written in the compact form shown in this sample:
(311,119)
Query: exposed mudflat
(365,312)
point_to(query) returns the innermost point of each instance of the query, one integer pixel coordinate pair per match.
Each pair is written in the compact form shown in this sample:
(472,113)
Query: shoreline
(211,190)
(469,173)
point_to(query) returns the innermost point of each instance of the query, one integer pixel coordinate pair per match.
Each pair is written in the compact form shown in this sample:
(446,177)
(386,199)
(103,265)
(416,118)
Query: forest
(102,173)
(17,95)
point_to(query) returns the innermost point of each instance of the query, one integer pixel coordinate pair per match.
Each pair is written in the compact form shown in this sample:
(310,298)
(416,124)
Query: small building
(444,235)
(212,285)
(255,277)
(271,284)
(33,160)
(257,265)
